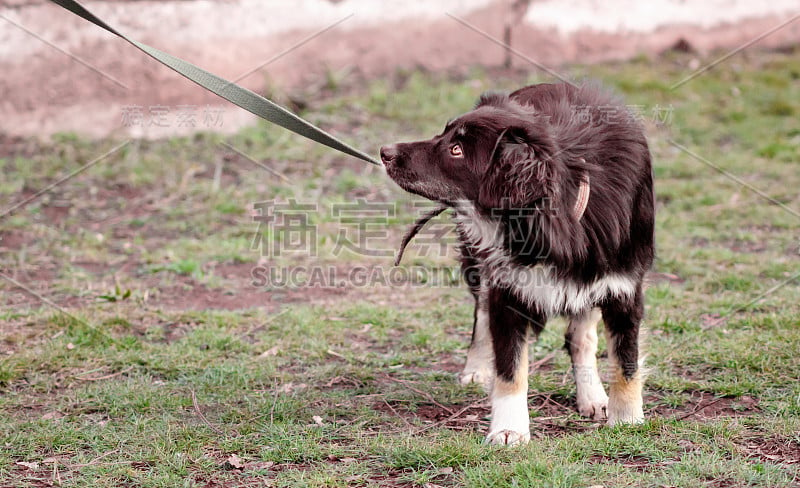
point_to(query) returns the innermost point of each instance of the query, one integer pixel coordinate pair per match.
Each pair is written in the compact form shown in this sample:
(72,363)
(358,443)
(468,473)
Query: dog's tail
(414,230)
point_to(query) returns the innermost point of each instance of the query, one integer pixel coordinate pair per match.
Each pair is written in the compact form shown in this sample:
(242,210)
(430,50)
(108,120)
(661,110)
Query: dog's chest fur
(540,286)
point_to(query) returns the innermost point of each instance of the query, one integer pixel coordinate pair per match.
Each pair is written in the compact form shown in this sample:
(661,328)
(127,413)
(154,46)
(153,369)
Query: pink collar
(583,198)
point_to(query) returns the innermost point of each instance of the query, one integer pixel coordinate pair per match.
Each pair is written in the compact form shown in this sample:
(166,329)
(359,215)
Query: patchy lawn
(145,342)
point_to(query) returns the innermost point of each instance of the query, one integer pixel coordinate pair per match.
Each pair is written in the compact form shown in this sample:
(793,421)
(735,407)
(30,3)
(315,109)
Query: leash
(244,98)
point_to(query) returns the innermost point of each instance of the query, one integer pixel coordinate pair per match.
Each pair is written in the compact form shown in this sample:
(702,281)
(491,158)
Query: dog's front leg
(480,358)
(508,325)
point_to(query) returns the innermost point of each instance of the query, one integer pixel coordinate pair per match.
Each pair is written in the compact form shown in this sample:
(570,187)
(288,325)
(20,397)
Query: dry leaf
(317,420)
(31,466)
(290,387)
(711,320)
(335,354)
(273,351)
(261,465)
(233,462)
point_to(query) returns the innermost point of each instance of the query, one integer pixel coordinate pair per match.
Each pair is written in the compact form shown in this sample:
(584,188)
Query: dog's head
(498,156)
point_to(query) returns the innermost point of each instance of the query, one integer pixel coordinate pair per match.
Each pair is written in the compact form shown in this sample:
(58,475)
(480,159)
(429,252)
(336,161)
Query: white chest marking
(537,285)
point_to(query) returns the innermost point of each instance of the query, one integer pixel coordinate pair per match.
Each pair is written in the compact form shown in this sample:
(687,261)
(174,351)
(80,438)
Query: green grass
(166,360)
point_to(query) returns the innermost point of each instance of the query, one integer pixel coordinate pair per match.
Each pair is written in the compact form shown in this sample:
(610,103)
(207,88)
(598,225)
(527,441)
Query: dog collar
(583,198)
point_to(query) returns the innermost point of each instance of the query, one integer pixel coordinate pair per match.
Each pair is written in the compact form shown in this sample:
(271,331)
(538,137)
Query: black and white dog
(552,191)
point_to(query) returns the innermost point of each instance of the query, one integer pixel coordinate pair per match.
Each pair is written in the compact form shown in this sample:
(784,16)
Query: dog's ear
(521,171)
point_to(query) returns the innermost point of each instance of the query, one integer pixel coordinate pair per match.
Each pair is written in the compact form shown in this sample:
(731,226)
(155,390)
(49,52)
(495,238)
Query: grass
(166,366)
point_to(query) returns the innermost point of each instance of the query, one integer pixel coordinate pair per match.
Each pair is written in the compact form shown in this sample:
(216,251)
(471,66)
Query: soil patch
(453,416)
(771,449)
(703,405)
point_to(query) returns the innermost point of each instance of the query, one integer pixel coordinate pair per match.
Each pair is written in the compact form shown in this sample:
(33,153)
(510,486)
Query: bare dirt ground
(63,74)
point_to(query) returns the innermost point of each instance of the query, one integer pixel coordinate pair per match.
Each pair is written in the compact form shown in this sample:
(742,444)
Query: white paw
(626,420)
(631,413)
(507,438)
(510,424)
(483,378)
(593,405)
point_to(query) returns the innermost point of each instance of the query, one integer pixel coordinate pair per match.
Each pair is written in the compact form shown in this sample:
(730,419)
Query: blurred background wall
(60,73)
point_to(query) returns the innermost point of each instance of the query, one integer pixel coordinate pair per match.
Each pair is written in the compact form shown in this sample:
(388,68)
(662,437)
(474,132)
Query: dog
(551,188)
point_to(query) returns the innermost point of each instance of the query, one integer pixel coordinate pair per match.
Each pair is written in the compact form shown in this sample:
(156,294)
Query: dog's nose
(389,153)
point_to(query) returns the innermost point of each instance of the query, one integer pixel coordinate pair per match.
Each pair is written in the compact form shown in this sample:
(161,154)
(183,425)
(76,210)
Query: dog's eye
(456,151)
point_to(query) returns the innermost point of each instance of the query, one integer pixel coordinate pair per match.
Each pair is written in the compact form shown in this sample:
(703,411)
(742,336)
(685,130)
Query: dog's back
(599,135)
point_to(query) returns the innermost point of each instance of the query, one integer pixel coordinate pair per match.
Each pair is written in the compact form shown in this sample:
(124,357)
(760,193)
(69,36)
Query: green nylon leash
(252,102)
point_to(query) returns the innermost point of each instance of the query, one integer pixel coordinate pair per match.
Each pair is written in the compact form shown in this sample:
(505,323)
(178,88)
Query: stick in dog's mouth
(414,230)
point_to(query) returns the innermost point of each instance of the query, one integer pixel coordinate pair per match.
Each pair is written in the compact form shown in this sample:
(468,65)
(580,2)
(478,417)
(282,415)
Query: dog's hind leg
(623,317)
(581,342)
(509,322)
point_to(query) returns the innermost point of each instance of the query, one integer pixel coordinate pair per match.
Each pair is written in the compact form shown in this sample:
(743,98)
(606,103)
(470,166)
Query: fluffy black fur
(516,161)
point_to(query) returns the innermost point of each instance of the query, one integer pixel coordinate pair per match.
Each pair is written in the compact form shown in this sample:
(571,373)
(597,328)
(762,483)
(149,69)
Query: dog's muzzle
(389,154)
